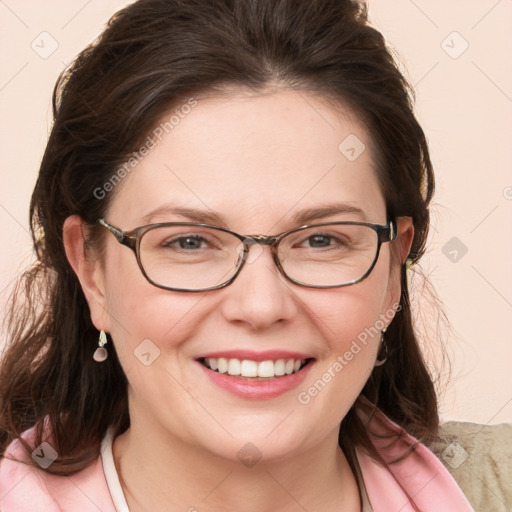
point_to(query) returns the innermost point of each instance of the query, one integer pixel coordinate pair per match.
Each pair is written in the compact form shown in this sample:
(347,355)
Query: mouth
(256,375)
(250,370)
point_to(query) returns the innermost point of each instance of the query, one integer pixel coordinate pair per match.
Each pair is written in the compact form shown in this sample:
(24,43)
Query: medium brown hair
(152,55)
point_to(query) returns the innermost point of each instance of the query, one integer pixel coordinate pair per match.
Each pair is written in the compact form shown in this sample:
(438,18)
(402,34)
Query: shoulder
(406,472)
(28,487)
(479,457)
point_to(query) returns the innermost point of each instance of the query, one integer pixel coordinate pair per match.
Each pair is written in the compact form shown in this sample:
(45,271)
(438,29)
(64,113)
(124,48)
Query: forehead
(254,159)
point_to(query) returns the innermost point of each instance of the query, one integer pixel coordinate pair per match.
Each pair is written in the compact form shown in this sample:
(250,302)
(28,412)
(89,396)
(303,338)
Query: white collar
(109,468)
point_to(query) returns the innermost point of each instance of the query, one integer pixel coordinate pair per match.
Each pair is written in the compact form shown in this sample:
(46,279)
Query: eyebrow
(192,214)
(301,217)
(310,214)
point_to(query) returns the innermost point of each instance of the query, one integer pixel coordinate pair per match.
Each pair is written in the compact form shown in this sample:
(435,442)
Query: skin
(256,160)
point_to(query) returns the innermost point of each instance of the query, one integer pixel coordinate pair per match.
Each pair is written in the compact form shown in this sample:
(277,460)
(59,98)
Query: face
(258,164)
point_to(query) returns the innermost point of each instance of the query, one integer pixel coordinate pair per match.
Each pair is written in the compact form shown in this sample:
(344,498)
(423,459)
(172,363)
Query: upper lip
(267,355)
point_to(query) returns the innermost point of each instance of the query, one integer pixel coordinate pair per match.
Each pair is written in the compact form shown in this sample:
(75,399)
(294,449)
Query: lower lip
(257,389)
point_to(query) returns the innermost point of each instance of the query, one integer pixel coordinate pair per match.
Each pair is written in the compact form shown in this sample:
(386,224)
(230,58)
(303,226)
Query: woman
(219,319)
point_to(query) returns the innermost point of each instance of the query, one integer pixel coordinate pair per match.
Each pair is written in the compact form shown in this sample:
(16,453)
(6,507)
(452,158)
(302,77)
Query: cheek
(350,320)
(151,334)
(142,315)
(351,313)
(350,324)
(157,316)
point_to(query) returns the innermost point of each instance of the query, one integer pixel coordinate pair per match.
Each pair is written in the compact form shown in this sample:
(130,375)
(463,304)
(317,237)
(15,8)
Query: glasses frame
(132,238)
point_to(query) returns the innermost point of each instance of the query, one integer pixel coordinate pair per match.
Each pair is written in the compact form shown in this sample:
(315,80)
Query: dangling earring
(100,354)
(380,362)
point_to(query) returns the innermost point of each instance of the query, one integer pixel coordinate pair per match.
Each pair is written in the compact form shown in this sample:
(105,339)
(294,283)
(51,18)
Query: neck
(184,477)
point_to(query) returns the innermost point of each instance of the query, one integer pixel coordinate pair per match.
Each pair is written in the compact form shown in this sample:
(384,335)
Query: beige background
(457,55)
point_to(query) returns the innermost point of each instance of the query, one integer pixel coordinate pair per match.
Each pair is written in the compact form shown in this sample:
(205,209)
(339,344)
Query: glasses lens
(330,255)
(189,257)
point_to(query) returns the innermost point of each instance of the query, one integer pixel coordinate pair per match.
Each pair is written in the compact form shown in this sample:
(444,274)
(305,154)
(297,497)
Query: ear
(404,238)
(400,249)
(88,270)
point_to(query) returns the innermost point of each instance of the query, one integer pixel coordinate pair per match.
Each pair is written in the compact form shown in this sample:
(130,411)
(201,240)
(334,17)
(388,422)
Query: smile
(256,370)
(255,380)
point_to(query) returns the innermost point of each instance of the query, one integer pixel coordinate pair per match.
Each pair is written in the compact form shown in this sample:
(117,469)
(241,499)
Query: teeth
(222,365)
(248,368)
(265,369)
(279,367)
(234,367)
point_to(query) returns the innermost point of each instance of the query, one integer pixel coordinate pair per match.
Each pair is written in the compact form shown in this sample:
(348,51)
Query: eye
(187,243)
(323,240)
(319,240)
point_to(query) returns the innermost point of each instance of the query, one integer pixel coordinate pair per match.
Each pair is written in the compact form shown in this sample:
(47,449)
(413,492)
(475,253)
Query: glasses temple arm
(120,235)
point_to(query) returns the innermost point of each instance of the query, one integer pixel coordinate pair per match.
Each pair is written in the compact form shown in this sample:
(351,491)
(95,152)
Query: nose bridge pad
(250,250)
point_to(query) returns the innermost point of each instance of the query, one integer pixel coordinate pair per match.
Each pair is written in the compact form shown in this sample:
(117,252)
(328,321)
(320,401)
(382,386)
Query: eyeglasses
(194,257)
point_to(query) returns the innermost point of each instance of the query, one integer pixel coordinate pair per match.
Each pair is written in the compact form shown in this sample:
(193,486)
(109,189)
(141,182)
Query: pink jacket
(421,475)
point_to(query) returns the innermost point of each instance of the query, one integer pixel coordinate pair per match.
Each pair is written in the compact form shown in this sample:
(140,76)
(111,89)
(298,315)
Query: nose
(259,297)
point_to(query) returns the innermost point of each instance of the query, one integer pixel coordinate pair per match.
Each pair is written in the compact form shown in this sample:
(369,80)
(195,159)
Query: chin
(258,448)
